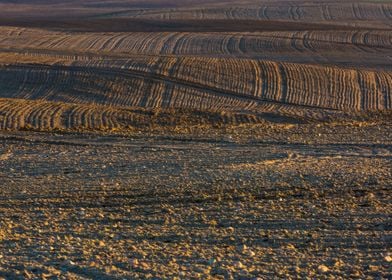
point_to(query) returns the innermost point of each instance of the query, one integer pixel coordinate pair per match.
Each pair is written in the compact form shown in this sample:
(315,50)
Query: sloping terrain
(297,59)
(195,139)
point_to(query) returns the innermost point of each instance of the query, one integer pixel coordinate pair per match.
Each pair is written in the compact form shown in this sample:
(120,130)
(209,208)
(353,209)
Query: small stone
(68,263)
(133,248)
(230,229)
(238,265)
(82,211)
(134,263)
(250,253)
(242,248)
(144,265)
(355,273)
(292,155)
(373,268)
(339,263)
(27,274)
(388,258)
(322,268)
(290,246)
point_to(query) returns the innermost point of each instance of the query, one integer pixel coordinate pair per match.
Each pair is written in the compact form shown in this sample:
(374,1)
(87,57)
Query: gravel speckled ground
(304,201)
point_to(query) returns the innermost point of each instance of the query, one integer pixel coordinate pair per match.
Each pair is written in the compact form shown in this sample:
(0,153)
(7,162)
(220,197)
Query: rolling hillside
(195,139)
(304,60)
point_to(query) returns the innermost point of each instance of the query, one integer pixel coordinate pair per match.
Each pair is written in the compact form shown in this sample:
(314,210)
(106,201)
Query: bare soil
(269,202)
(193,139)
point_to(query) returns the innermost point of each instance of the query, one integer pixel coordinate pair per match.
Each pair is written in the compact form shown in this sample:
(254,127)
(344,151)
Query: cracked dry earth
(301,202)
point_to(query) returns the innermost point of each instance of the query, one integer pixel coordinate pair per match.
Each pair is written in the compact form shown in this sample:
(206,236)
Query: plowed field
(195,139)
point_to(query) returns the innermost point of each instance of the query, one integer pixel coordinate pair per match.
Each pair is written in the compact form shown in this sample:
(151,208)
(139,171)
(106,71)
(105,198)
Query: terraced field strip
(348,13)
(22,114)
(44,115)
(215,83)
(172,81)
(185,43)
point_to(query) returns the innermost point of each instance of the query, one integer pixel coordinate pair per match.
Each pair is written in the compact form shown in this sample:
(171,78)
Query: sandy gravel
(306,202)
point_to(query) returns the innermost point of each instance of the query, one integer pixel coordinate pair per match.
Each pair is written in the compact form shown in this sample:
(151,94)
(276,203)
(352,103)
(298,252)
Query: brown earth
(277,201)
(195,139)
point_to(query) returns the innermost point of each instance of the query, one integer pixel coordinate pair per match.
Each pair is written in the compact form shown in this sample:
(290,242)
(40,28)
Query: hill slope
(296,59)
